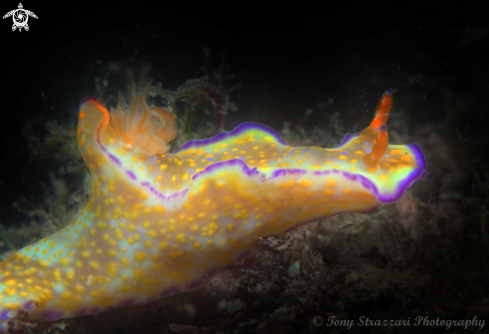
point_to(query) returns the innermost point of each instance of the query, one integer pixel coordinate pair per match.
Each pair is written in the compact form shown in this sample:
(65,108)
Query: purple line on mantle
(87,99)
(233,162)
(160,195)
(4,315)
(131,175)
(324,172)
(370,186)
(347,138)
(114,159)
(419,155)
(30,305)
(233,133)
(176,194)
(283,172)
(350,176)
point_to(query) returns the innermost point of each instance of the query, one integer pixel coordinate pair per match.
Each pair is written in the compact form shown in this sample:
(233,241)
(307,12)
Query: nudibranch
(160,223)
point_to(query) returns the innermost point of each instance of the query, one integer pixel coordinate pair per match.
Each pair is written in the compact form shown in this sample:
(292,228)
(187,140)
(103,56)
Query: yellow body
(159,223)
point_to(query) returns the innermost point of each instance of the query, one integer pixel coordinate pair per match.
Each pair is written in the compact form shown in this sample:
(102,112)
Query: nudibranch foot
(160,223)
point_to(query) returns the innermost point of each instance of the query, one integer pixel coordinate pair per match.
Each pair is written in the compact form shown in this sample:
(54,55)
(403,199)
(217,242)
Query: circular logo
(20,17)
(317,321)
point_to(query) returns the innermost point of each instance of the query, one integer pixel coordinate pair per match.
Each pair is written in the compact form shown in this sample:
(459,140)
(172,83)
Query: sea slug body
(160,223)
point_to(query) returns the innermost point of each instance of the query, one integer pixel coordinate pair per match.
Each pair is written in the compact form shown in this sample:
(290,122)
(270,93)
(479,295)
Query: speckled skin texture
(158,223)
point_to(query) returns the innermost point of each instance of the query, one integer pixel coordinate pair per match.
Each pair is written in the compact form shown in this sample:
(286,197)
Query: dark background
(329,57)
(288,57)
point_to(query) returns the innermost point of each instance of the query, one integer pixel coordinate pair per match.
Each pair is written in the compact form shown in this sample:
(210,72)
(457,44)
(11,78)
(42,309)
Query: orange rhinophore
(378,150)
(381,115)
(377,131)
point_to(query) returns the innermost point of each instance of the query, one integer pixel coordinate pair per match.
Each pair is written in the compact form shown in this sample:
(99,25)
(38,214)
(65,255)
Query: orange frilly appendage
(142,126)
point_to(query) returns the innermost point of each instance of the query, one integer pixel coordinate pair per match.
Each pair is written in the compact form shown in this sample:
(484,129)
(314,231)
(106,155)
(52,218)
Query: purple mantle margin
(415,175)
(233,133)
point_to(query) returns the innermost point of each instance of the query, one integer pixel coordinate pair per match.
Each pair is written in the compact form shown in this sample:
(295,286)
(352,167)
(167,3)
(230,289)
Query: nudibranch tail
(159,223)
